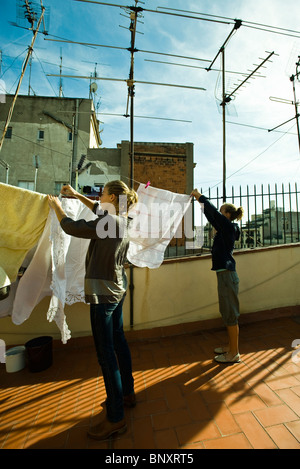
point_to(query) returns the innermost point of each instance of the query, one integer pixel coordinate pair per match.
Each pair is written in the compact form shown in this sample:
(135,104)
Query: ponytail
(239,213)
(235,213)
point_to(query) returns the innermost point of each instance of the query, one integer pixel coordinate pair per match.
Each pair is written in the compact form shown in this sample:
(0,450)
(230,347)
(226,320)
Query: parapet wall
(181,296)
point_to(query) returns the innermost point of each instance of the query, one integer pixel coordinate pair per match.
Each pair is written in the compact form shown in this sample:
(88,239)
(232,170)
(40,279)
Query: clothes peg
(147,185)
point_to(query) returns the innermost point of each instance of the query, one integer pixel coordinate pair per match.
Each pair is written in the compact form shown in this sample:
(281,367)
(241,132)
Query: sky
(254,156)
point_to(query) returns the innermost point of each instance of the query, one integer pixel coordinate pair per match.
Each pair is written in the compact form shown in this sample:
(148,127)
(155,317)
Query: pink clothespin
(147,185)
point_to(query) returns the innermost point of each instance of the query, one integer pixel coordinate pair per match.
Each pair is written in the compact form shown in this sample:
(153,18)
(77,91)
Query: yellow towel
(23,216)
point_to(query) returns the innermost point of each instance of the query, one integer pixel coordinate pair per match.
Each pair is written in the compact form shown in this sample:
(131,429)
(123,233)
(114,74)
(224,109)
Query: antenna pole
(60,73)
(297,115)
(30,49)
(133,17)
(293,79)
(224,123)
(29,81)
(238,24)
(130,84)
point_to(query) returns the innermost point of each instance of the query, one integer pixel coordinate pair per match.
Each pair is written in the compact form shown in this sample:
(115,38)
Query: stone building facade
(46,139)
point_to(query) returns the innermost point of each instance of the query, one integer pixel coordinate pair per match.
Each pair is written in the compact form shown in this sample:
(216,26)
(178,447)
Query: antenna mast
(60,73)
(135,10)
(295,102)
(237,25)
(226,98)
(293,79)
(30,15)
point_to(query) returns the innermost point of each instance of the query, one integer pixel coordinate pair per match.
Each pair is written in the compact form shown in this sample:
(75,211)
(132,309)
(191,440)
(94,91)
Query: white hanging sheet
(57,269)
(156,218)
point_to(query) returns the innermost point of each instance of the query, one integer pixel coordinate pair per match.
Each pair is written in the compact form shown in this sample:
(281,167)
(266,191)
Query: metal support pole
(224,124)
(36,166)
(20,80)
(6,166)
(133,17)
(225,99)
(297,115)
(296,108)
(74,145)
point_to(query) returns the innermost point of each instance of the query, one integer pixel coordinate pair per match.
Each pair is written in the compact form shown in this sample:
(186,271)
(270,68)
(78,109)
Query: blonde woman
(224,264)
(105,288)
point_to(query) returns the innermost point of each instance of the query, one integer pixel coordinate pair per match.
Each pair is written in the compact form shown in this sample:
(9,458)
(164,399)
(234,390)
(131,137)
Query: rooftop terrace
(185,400)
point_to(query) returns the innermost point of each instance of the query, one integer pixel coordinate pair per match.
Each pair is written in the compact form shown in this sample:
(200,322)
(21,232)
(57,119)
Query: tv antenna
(93,85)
(135,13)
(227,97)
(29,11)
(61,67)
(31,15)
(295,103)
(225,100)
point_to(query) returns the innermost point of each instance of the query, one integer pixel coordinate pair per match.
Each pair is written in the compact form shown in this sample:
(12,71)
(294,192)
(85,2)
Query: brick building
(167,166)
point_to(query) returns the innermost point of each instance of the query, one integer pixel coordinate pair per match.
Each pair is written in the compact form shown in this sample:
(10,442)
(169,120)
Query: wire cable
(16,58)
(255,158)
(34,52)
(249,24)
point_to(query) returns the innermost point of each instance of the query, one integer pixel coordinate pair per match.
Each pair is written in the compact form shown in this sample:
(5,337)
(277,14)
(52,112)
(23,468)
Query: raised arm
(78,228)
(212,214)
(70,192)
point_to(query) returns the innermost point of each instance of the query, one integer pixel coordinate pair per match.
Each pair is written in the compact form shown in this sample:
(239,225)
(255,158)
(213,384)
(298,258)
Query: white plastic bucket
(15,359)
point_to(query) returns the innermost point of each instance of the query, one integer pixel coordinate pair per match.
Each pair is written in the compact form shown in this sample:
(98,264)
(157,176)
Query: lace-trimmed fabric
(155,220)
(68,265)
(57,269)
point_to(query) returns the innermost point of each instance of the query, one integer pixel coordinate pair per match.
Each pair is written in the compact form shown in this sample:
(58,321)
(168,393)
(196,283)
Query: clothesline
(58,264)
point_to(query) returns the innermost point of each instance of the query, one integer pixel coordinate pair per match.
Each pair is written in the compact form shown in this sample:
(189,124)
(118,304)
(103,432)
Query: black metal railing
(271,217)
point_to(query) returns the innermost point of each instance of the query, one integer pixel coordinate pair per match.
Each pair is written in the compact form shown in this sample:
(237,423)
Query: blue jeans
(113,355)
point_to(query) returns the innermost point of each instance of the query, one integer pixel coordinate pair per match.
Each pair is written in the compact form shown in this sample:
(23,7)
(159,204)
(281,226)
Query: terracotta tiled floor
(185,399)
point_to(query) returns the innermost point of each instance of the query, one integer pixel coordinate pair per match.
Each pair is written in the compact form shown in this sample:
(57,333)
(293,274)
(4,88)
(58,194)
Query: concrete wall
(110,161)
(184,292)
(57,117)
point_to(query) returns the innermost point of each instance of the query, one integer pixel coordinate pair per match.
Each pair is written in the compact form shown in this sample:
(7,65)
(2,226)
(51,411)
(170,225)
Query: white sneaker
(225,359)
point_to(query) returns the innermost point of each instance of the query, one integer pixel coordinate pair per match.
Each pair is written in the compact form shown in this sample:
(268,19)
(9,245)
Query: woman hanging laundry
(105,288)
(224,264)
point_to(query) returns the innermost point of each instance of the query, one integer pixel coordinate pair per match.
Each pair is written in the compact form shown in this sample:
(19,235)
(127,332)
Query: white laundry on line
(56,269)
(156,219)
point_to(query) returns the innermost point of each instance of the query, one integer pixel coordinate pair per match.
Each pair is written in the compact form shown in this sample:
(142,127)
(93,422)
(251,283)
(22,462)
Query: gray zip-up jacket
(105,277)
